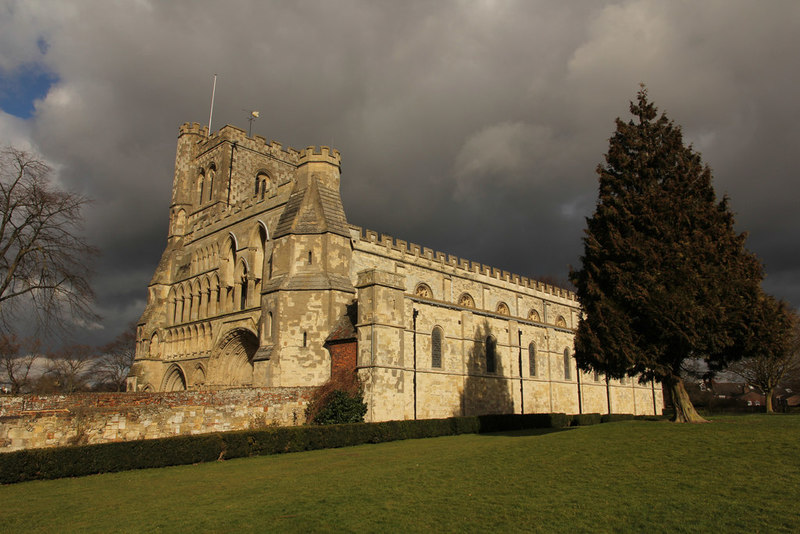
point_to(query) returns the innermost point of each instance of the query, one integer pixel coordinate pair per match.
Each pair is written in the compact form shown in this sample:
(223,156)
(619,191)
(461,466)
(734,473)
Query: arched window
(466,301)
(424,291)
(596,376)
(561,322)
(491,354)
(268,326)
(180,222)
(567,370)
(243,282)
(502,309)
(532,358)
(262,182)
(533,315)
(310,257)
(211,171)
(436,348)
(200,185)
(305,339)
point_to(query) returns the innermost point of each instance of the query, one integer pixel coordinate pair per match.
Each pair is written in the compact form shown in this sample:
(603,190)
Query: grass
(737,474)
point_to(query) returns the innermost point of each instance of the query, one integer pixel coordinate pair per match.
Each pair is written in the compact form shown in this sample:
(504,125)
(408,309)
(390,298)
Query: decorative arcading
(415,250)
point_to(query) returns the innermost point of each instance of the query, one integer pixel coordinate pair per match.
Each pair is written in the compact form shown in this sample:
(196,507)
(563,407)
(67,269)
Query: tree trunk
(684,409)
(768,395)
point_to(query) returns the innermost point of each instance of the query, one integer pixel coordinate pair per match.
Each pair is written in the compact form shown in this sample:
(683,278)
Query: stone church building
(264,283)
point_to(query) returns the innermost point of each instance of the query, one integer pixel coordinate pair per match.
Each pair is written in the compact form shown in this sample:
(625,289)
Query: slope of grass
(737,474)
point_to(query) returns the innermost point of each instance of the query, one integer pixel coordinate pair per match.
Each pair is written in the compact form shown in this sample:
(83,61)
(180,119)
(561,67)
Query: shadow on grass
(526,432)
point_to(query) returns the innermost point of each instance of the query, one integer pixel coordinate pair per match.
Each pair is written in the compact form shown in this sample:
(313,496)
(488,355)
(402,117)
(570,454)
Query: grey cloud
(472,128)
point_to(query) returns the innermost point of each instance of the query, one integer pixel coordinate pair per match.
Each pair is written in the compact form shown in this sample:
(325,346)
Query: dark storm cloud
(469,127)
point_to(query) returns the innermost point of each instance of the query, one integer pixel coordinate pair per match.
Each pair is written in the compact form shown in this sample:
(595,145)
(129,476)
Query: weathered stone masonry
(264,283)
(30,421)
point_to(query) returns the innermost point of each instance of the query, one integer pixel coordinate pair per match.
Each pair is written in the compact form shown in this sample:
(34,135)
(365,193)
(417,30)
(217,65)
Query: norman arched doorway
(174,379)
(232,362)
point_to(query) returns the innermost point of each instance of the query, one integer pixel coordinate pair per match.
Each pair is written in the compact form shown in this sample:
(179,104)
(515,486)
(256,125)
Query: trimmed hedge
(58,462)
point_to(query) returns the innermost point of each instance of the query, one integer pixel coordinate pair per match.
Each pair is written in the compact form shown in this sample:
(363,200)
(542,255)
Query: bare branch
(44,262)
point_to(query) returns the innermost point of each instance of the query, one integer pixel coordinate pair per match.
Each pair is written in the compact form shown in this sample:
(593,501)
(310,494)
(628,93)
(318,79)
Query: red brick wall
(343,360)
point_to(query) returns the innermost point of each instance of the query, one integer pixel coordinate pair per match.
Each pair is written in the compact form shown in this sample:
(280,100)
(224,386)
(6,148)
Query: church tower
(307,286)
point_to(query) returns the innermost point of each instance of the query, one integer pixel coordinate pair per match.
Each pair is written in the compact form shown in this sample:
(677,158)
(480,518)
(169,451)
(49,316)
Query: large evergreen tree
(665,277)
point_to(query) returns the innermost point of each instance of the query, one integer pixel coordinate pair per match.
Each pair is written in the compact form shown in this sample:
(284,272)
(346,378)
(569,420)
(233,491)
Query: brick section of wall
(343,360)
(33,421)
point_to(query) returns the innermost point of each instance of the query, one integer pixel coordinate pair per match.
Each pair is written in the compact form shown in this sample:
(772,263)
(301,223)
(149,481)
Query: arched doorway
(174,379)
(232,362)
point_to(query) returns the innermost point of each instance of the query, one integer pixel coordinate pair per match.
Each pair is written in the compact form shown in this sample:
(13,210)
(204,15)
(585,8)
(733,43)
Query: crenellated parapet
(321,154)
(195,128)
(417,251)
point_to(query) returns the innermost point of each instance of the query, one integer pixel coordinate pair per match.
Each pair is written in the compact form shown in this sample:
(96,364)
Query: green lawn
(737,474)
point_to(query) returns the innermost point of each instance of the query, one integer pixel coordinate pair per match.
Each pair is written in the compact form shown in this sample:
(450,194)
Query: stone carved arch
(155,346)
(212,170)
(533,315)
(423,290)
(198,376)
(195,312)
(171,301)
(180,222)
(174,379)
(466,300)
(204,297)
(227,259)
(263,184)
(231,364)
(201,184)
(502,309)
(179,304)
(561,322)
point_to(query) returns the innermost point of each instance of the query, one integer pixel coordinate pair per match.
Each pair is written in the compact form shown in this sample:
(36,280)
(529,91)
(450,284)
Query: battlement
(417,251)
(193,128)
(324,155)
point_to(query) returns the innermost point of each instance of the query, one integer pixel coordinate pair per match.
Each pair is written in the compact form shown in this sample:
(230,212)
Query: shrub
(340,400)
(586,419)
(341,407)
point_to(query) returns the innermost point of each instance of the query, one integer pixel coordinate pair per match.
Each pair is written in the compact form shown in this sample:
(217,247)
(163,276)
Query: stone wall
(33,421)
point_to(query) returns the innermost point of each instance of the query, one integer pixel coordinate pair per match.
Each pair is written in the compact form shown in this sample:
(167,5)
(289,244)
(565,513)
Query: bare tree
(71,367)
(43,260)
(116,359)
(16,360)
(776,356)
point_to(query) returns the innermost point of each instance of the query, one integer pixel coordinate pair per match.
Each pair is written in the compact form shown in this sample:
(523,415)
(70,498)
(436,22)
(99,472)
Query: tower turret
(189,138)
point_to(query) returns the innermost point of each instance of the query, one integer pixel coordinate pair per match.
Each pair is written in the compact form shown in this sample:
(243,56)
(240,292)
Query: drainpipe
(230,173)
(414,319)
(521,389)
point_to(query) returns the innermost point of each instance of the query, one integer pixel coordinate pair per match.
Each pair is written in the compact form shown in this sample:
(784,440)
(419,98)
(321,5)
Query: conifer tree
(665,278)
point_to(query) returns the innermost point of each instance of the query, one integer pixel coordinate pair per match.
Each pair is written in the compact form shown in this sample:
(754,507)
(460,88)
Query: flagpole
(211,114)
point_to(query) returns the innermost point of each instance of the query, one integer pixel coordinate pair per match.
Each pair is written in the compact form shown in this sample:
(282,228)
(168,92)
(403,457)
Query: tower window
(305,339)
(309,257)
(567,370)
(491,354)
(532,358)
(436,348)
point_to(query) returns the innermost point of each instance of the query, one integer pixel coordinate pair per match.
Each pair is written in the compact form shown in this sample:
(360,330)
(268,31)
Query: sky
(473,128)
